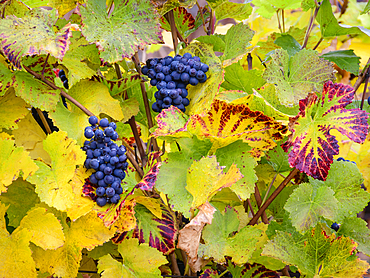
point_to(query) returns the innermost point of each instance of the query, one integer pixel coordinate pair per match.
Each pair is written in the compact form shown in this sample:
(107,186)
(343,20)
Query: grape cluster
(107,159)
(171,76)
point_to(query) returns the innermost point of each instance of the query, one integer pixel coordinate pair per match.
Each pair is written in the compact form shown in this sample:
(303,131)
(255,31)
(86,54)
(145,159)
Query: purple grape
(104,122)
(155,107)
(193,81)
(180,85)
(168,78)
(204,67)
(92,179)
(192,72)
(196,59)
(102,183)
(153,82)
(94,164)
(185,101)
(89,133)
(173,94)
(177,57)
(200,75)
(99,175)
(197,65)
(187,55)
(110,192)
(166,70)
(93,120)
(122,158)
(167,100)
(180,67)
(100,191)
(177,100)
(158,67)
(184,93)
(108,170)
(175,75)
(101,201)
(144,70)
(181,107)
(159,76)
(185,77)
(108,179)
(115,198)
(171,85)
(151,73)
(174,65)
(113,125)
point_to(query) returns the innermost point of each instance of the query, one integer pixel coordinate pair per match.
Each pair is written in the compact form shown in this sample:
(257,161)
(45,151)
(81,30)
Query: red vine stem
(362,76)
(310,26)
(273,196)
(257,195)
(43,120)
(203,21)
(171,19)
(365,89)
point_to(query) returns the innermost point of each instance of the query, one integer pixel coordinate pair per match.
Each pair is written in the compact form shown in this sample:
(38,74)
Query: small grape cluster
(107,159)
(64,79)
(171,76)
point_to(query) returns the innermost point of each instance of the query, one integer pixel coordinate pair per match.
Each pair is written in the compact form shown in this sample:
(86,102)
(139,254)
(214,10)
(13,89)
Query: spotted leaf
(183,19)
(33,34)
(311,145)
(132,25)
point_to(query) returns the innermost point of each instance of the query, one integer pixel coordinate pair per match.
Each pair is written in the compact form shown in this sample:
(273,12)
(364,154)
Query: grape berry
(171,76)
(107,159)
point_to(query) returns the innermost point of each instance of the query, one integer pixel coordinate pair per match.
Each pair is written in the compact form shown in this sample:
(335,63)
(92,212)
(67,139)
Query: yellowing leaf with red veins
(15,254)
(81,204)
(13,160)
(312,145)
(47,233)
(189,236)
(34,34)
(137,261)
(53,182)
(126,220)
(205,177)
(226,123)
(12,110)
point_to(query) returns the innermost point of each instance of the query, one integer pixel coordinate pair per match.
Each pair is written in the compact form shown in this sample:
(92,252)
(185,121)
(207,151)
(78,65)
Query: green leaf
(237,78)
(205,177)
(237,153)
(138,261)
(367,8)
(307,204)
(357,229)
(73,120)
(6,79)
(329,25)
(33,34)
(216,41)
(226,9)
(236,42)
(345,179)
(288,43)
(131,25)
(317,254)
(12,110)
(312,144)
(202,95)
(345,59)
(296,77)
(220,242)
(268,8)
(278,159)
(20,197)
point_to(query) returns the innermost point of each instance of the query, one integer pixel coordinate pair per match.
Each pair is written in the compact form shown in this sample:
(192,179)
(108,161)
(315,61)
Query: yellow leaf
(126,220)
(205,177)
(13,160)
(47,233)
(30,136)
(12,110)
(52,183)
(151,204)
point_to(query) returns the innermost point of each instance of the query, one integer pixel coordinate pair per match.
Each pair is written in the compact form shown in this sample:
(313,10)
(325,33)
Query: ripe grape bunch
(107,159)
(171,76)
(63,78)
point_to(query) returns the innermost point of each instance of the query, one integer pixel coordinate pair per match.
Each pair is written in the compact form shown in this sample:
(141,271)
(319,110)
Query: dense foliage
(245,153)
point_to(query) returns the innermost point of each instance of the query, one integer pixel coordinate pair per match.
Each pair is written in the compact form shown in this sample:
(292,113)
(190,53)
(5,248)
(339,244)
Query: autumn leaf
(312,145)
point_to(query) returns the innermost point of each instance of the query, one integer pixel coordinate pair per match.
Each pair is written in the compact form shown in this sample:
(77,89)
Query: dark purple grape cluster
(107,159)
(63,78)
(171,76)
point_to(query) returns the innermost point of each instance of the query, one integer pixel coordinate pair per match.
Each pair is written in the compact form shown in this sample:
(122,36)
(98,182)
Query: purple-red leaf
(312,145)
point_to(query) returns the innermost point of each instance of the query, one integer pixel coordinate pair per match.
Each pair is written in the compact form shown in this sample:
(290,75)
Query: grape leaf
(6,79)
(312,144)
(345,180)
(357,229)
(171,4)
(184,21)
(30,135)
(202,95)
(268,8)
(78,59)
(138,261)
(278,159)
(237,153)
(15,253)
(329,25)
(296,77)
(288,43)
(219,243)
(12,110)
(130,26)
(217,41)
(226,123)
(13,161)
(33,34)
(251,270)
(160,232)
(307,203)
(16,8)
(205,177)
(237,78)
(40,65)
(86,232)
(53,182)
(47,233)
(236,42)
(225,9)
(118,87)
(189,236)
(317,254)
(126,220)
(63,6)
(20,197)
(344,59)
(74,121)
(366,9)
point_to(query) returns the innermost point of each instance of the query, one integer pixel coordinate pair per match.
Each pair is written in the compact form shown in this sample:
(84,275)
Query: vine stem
(146,103)
(310,26)
(273,196)
(257,195)
(174,267)
(212,23)
(43,69)
(250,206)
(203,21)
(63,93)
(133,126)
(365,89)
(44,122)
(268,190)
(362,76)
(135,164)
(283,19)
(171,19)
(278,18)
